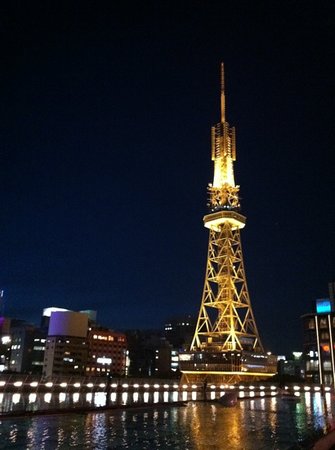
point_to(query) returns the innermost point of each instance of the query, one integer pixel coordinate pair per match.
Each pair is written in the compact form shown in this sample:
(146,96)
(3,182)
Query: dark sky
(106,110)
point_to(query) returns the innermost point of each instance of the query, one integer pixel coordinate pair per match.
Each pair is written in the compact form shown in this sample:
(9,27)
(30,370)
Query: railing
(17,382)
(221,367)
(19,395)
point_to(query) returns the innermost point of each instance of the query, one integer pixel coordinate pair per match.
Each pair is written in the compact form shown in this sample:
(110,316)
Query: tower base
(226,367)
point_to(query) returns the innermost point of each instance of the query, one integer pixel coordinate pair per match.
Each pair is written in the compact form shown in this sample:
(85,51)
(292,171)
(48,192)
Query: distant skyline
(105,156)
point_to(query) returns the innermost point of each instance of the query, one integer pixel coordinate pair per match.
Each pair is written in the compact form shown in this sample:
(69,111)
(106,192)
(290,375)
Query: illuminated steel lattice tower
(226,344)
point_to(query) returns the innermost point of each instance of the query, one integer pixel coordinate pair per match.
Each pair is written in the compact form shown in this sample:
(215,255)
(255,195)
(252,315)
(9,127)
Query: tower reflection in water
(268,422)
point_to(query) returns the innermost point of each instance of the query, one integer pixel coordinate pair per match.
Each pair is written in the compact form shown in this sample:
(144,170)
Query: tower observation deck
(226,346)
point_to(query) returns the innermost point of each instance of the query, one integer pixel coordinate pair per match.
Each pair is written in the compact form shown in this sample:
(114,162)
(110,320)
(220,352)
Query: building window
(312,365)
(311,324)
(327,365)
(323,322)
(324,335)
(328,379)
(325,348)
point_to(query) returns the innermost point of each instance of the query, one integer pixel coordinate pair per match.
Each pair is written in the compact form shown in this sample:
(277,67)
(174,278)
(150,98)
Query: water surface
(255,424)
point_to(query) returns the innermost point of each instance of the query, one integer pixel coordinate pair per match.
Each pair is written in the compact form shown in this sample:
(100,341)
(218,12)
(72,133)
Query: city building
(107,352)
(179,331)
(5,343)
(37,352)
(142,345)
(46,314)
(151,354)
(318,341)
(163,359)
(76,345)
(291,368)
(66,349)
(26,356)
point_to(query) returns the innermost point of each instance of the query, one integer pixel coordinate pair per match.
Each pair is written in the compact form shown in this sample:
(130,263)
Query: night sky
(106,110)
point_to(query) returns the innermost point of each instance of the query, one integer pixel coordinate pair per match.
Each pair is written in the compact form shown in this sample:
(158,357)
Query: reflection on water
(254,424)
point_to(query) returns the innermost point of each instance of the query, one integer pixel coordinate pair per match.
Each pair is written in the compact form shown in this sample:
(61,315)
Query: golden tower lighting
(226,346)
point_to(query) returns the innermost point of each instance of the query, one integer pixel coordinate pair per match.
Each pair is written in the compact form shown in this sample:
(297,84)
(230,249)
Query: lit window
(311,324)
(323,322)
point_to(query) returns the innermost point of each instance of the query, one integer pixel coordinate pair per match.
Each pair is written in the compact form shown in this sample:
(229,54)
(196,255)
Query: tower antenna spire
(223,100)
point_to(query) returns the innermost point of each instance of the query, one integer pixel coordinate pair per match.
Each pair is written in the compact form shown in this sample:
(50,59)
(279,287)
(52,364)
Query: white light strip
(331,347)
(319,352)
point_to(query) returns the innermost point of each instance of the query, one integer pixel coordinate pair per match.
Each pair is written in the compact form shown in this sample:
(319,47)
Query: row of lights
(166,386)
(49,384)
(114,385)
(146,386)
(308,388)
(261,388)
(89,385)
(295,388)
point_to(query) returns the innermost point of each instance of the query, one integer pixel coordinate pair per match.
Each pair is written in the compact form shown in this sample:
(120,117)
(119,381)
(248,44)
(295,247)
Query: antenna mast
(223,100)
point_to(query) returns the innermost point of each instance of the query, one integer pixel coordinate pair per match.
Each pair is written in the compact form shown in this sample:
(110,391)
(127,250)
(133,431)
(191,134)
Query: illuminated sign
(185,357)
(103,338)
(104,360)
(323,306)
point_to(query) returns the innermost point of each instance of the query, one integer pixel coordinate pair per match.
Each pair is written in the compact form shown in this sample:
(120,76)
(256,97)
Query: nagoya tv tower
(226,346)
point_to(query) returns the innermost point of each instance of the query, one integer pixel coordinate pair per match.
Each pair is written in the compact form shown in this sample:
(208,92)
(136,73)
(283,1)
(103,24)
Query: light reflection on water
(254,424)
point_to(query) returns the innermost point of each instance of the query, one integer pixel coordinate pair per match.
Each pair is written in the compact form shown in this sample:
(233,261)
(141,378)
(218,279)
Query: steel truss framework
(226,321)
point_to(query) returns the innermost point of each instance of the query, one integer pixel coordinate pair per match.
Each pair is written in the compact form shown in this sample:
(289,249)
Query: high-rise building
(5,343)
(37,352)
(76,345)
(107,352)
(319,341)
(66,346)
(179,331)
(150,354)
(226,346)
(27,347)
